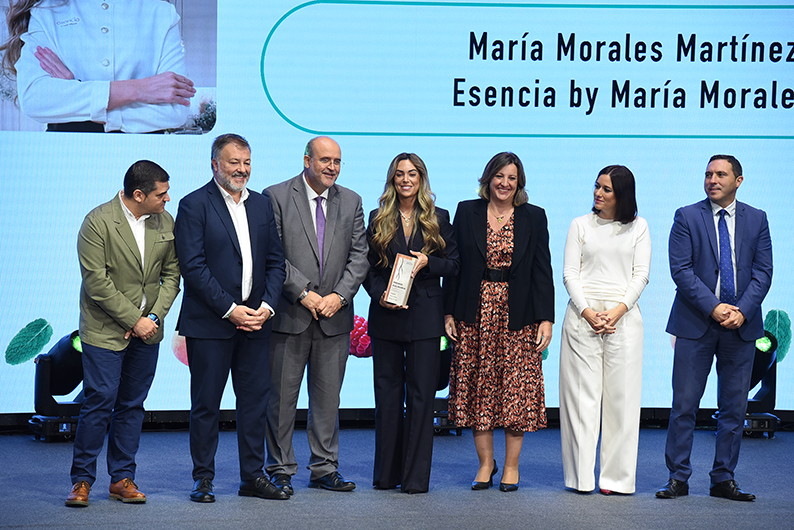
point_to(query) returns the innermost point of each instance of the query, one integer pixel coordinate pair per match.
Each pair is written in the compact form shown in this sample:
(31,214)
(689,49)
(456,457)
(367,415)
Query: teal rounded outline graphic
(503,5)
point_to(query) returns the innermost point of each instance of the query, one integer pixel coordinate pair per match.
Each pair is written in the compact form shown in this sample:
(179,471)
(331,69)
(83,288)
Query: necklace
(499,218)
(406,218)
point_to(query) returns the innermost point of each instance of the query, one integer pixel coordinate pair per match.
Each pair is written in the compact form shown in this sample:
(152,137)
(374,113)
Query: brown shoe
(78,497)
(126,490)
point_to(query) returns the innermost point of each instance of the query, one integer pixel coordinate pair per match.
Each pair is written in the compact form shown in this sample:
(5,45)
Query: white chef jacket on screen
(100,42)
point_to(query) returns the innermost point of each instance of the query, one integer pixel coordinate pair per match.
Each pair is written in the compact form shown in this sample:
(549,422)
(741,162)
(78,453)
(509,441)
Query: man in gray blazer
(315,218)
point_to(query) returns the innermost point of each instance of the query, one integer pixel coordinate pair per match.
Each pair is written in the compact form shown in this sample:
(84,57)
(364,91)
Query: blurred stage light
(58,372)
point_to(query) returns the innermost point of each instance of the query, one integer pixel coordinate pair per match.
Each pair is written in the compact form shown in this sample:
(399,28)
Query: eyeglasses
(327,161)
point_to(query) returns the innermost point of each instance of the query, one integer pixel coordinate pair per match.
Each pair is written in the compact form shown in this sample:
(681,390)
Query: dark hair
(735,165)
(143,175)
(310,147)
(623,188)
(226,139)
(493,167)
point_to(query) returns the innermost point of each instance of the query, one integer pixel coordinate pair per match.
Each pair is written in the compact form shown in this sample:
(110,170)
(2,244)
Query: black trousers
(405,377)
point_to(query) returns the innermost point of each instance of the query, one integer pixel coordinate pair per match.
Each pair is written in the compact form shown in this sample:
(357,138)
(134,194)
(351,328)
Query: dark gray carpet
(35,475)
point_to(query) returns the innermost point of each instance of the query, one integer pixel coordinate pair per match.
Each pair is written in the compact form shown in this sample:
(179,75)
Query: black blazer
(531,288)
(424,318)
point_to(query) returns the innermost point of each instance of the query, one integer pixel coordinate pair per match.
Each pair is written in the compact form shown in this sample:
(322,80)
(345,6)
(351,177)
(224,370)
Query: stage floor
(38,475)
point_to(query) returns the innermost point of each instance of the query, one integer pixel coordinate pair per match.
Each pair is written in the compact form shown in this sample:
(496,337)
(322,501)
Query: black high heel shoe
(485,485)
(508,487)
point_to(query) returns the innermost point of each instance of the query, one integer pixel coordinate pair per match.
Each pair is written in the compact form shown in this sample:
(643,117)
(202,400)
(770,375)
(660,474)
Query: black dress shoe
(202,491)
(674,488)
(508,487)
(730,490)
(485,485)
(283,481)
(333,482)
(261,487)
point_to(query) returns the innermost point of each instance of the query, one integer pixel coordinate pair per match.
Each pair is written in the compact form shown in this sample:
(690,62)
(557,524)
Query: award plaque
(400,282)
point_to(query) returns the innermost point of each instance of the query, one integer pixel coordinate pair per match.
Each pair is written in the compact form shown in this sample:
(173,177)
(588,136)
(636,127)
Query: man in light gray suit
(315,217)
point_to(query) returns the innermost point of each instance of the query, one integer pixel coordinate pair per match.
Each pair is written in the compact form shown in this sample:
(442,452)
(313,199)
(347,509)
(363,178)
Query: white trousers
(600,390)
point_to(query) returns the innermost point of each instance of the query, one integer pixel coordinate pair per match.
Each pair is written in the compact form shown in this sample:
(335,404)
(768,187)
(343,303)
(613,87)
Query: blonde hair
(17,19)
(384,226)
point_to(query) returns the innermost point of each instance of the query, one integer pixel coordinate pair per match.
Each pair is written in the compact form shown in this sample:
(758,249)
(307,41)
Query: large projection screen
(569,87)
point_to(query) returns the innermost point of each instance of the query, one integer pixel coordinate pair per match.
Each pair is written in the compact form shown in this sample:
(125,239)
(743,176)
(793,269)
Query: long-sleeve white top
(606,260)
(100,42)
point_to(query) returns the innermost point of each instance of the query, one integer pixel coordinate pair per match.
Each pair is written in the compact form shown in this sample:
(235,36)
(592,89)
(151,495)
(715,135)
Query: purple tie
(320,229)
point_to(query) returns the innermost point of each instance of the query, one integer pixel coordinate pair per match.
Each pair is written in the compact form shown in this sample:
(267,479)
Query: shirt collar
(128,213)
(228,196)
(730,209)
(310,193)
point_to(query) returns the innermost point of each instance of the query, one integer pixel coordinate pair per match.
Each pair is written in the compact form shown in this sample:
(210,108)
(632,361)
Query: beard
(229,185)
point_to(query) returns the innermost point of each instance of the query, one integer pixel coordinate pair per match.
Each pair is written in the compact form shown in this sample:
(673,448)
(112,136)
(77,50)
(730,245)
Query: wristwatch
(154,318)
(341,299)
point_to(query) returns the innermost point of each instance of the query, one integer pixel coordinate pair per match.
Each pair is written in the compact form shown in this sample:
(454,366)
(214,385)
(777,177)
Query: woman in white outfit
(91,66)
(606,265)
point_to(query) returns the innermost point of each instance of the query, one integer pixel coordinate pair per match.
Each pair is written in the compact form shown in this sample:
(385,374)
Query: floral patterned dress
(496,379)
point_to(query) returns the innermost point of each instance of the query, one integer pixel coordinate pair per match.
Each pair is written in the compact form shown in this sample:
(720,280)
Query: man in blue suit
(721,262)
(233,261)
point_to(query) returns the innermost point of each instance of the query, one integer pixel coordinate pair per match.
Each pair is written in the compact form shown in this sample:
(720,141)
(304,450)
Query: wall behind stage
(657,88)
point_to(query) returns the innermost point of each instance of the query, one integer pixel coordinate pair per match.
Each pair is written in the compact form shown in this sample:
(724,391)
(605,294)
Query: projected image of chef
(98,66)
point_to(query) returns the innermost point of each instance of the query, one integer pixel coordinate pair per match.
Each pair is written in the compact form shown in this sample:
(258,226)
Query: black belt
(76,126)
(497,275)
(85,126)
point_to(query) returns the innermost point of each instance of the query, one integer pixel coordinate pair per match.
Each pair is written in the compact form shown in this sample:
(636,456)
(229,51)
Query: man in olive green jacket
(130,279)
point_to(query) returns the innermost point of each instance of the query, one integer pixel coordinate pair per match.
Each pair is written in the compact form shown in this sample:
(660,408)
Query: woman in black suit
(500,309)
(406,339)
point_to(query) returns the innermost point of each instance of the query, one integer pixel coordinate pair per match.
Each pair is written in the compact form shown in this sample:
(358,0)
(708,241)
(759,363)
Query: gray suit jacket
(345,262)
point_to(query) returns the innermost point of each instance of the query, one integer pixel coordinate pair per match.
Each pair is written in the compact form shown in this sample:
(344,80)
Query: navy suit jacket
(531,289)
(424,318)
(694,265)
(212,264)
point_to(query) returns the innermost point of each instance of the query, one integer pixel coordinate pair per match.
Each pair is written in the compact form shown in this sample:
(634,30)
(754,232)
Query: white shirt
(730,222)
(240,221)
(606,260)
(138,227)
(100,41)
(312,195)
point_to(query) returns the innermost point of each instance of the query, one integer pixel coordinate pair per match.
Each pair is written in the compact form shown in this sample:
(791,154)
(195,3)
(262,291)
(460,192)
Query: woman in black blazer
(406,339)
(500,309)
